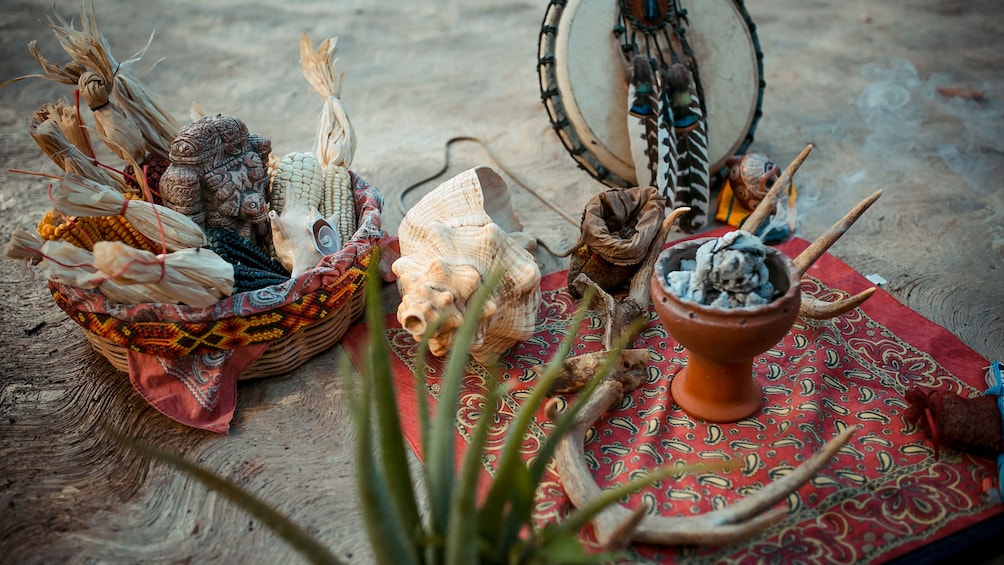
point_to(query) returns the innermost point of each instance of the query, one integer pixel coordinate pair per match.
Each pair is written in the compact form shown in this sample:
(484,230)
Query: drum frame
(591,153)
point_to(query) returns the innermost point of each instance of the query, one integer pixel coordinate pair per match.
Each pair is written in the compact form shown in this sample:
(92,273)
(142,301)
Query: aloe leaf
(420,393)
(386,533)
(564,549)
(440,457)
(463,545)
(495,525)
(298,538)
(380,389)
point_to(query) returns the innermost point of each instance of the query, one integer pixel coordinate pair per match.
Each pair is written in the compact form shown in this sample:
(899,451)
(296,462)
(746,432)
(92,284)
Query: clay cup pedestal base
(718,384)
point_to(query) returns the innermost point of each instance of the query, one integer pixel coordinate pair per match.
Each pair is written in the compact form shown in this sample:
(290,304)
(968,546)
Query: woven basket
(282,355)
(291,349)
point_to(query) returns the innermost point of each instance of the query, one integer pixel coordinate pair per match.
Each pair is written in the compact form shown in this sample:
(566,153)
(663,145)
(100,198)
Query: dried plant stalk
(335,143)
(126,138)
(88,47)
(78,196)
(197,277)
(56,130)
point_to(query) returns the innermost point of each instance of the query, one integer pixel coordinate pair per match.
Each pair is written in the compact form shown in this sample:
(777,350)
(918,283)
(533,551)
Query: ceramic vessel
(718,384)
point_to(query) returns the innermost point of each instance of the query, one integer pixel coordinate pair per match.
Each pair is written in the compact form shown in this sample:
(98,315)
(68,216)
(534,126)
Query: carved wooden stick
(766,207)
(731,524)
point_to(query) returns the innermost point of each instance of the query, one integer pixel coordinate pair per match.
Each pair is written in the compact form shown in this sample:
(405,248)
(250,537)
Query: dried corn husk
(56,130)
(127,139)
(78,196)
(335,143)
(68,264)
(66,117)
(88,47)
(197,276)
(25,246)
(50,71)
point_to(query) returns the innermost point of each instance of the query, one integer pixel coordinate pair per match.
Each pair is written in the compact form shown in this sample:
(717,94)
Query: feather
(668,170)
(643,122)
(690,125)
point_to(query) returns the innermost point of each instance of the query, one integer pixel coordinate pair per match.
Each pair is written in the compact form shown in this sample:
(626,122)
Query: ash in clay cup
(726,272)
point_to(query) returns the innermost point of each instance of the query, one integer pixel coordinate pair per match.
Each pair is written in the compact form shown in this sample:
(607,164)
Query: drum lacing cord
(516,178)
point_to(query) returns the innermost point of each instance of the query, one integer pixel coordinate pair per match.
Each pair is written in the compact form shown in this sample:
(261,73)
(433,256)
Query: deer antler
(617,525)
(813,307)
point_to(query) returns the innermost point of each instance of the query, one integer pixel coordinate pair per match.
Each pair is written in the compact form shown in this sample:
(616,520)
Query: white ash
(727,272)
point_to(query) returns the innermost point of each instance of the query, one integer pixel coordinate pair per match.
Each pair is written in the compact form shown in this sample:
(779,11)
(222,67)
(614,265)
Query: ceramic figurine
(751,176)
(218,177)
(449,245)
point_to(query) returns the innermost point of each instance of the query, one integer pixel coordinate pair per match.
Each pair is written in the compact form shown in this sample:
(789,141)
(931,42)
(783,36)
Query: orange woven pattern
(176,339)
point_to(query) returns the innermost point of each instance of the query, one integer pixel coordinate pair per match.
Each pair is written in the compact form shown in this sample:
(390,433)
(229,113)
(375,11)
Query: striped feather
(643,122)
(693,185)
(668,169)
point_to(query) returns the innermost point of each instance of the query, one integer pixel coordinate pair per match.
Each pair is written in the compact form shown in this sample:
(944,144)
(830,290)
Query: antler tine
(821,310)
(818,309)
(641,281)
(727,525)
(766,206)
(813,252)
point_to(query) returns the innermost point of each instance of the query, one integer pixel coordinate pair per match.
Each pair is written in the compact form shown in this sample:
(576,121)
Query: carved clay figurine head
(218,177)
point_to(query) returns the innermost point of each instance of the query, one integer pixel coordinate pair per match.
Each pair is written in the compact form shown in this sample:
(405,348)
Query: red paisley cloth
(185,361)
(885,494)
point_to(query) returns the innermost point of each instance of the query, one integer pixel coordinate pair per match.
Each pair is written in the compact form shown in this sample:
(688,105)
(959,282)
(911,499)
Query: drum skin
(583,81)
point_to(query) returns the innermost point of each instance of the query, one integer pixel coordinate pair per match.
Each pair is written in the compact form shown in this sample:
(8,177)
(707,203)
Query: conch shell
(449,245)
(301,237)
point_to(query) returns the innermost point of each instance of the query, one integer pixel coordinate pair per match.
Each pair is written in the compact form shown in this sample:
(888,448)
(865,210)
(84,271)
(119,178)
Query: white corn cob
(300,174)
(338,205)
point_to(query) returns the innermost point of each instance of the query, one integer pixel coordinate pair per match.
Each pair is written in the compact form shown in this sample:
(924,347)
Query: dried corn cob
(84,232)
(249,278)
(339,204)
(55,226)
(301,175)
(237,250)
(78,196)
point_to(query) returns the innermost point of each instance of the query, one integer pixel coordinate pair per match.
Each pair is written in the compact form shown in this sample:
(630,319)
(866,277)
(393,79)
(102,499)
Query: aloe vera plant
(440,520)
(457,529)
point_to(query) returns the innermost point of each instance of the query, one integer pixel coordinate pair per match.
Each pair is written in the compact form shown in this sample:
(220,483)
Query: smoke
(901,116)
(902,129)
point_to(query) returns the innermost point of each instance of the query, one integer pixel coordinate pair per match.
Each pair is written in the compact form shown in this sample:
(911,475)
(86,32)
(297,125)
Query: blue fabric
(996,382)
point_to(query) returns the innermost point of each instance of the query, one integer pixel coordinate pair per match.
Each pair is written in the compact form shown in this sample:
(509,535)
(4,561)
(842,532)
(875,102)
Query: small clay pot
(718,384)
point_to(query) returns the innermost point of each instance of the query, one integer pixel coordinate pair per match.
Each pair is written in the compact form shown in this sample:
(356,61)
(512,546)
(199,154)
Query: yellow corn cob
(117,228)
(55,225)
(339,201)
(299,174)
(83,232)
